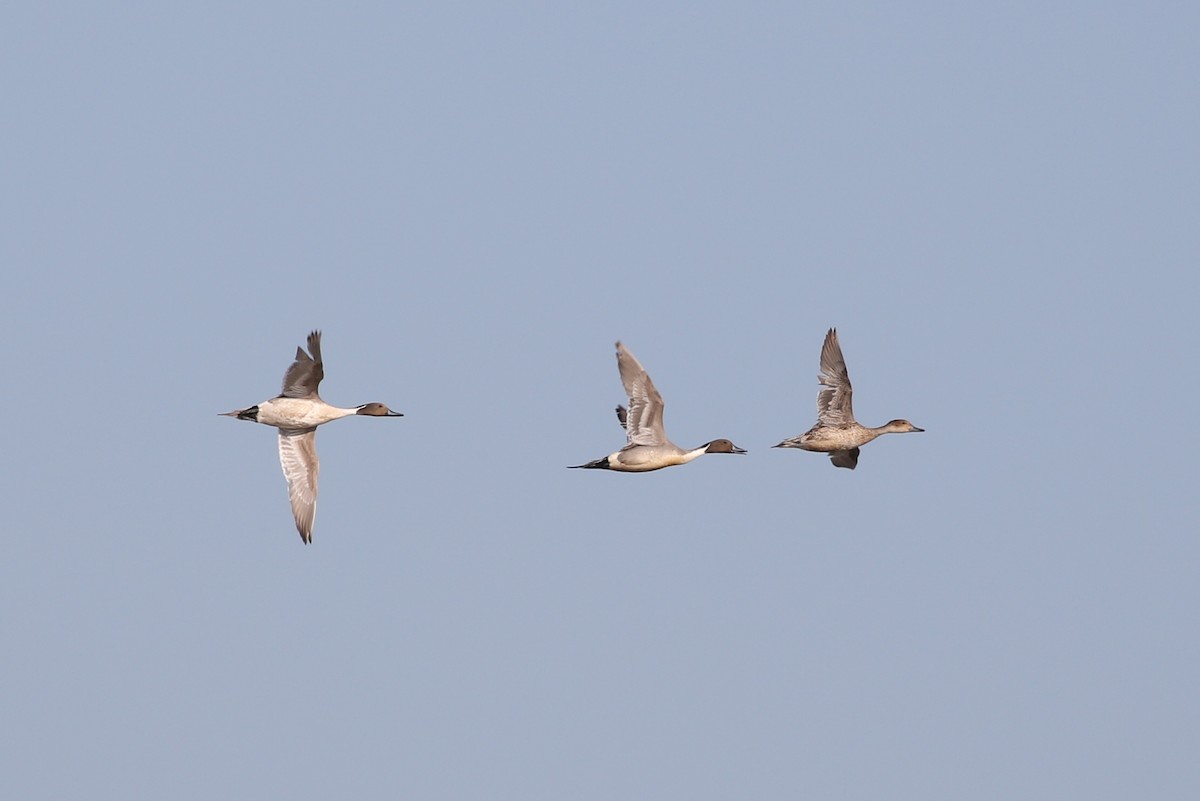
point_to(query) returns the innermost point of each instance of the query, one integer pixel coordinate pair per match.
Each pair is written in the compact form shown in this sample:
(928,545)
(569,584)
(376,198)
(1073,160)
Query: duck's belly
(642,461)
(829,441)
(292,413)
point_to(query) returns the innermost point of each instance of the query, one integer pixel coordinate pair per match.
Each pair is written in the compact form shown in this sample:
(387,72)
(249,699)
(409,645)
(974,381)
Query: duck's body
(837,432)
(644,458)
(648,447)
(296,412)
(293,413)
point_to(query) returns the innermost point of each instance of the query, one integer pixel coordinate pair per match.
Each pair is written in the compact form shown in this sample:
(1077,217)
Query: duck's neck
(337,412)
(328,413)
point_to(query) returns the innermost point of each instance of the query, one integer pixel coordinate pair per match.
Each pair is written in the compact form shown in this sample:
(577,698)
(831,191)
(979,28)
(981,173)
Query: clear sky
(996,206)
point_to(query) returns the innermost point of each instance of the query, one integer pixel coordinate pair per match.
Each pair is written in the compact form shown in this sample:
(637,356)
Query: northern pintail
(648,447)
(836,432)
(296,412)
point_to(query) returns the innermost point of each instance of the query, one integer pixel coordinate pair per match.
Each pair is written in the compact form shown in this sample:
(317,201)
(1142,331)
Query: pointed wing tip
(314,346)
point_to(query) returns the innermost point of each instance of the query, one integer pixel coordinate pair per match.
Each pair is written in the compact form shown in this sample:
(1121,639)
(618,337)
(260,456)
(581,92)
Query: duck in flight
(648,447)
(296,412)
(837,432)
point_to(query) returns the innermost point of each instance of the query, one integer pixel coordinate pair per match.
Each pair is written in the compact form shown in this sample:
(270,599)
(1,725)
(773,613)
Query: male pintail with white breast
(296,412)
(836,432)
(648,447)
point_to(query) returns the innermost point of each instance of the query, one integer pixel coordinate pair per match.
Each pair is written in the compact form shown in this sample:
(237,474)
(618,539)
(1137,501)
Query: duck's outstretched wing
(304,375)
(644,419)
(833,403)
(298,456)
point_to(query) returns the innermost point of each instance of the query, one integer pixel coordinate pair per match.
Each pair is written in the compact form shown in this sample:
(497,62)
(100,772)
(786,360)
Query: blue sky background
(995,206)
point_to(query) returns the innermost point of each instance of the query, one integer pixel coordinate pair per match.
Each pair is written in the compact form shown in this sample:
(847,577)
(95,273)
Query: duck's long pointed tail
(243,414)
(599,464)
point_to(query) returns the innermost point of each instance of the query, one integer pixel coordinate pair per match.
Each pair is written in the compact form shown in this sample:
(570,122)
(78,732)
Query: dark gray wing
(304,376)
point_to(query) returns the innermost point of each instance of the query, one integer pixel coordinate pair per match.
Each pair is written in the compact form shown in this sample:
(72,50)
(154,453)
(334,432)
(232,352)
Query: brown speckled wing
(834,403)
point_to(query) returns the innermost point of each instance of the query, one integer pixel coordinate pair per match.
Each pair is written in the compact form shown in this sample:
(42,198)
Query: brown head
(377,410)
(901,427)
(723,446)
